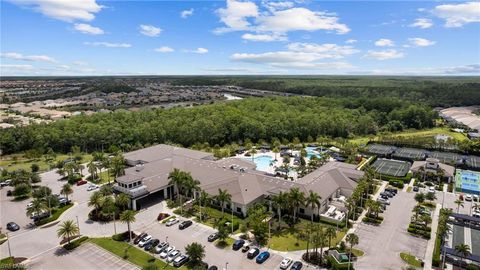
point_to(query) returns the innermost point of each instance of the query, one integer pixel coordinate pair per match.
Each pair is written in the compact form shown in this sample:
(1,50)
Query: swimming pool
(312,152)
(262,162)
(467,181)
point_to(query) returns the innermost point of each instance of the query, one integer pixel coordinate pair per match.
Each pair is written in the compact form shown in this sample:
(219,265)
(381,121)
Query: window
(239,209)
(302,211)
(130,185)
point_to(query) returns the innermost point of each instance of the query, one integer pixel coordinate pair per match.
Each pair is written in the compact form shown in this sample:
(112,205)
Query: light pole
(226,265)
(232,218)
(166,239)
(78,225)
(8,242)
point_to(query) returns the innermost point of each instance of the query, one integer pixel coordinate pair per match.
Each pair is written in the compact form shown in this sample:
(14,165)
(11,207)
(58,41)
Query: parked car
(172,222)
(263,257)
(468,198)
(185,224)
(475,198)
(392,190)
(385,197)
(415,188)
(180,260)
(92,187)
(139,238)
(81,182)
(5,183)
(252,253)
(297,265)
(285,263)
(213,267)
(246,248)
(238,244)
(384,201)
(153,243)
(431,190)
(172,255)
(145,241)
(166,251)
(212,237)
(63,201)
(12,226)
(160,247)
(386,194)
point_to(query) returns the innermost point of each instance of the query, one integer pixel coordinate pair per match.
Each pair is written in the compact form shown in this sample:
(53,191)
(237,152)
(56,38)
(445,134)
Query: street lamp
(166,239)
(226,265)
(8,242)
(78,225)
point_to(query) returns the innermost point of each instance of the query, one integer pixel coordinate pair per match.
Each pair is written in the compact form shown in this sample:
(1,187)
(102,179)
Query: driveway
(87,256)
(383,244)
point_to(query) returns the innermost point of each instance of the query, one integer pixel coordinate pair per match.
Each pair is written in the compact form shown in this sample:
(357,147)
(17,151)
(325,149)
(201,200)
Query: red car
(81,182)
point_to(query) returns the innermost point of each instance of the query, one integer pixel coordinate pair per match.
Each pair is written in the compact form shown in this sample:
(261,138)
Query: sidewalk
(431,242)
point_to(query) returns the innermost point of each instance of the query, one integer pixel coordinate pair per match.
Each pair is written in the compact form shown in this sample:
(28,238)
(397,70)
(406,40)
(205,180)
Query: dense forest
(434,91)
(221,123)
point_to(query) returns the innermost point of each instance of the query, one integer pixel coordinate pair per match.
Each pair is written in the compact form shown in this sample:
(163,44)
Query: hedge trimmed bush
(334,265)
(75,243)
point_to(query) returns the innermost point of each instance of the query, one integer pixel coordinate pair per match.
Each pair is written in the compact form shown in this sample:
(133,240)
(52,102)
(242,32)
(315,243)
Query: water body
(231,97)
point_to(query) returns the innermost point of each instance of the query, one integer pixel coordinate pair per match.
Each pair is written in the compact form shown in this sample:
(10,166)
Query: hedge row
(75,243)
(334,265)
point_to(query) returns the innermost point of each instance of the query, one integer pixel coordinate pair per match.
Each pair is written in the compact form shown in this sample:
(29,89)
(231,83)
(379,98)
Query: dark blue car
(263,257)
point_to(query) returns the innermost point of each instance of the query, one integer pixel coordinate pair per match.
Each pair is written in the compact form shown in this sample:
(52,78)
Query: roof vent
(138,167)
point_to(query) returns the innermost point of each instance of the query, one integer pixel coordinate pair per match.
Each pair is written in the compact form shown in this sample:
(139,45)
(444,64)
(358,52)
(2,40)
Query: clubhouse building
(146,178)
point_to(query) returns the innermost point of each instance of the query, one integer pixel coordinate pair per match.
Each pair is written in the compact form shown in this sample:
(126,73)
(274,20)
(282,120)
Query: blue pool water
(262,162)
(311,152)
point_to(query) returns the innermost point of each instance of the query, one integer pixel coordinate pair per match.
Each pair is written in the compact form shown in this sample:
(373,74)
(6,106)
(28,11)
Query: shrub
(21,190)
(332,262)
(473,267)
(450,187)
(162,216)
(34,167)
(172,204)
(75,243)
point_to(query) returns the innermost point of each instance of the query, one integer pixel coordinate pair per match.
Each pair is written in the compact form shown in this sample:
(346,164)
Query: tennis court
(467,181)
(410,153)
(445,157)
(379,149)
(473,162)
(391,167)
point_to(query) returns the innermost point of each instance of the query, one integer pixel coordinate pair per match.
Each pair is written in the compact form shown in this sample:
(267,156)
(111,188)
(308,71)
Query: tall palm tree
(96,200)
(417,209)
(297,198)
(118,165)
(253,152)
(425,219)
(223,198)
(178,178)
(122,200)
(463,250)
(276,151)
(319,240)
(92,169)
(66,190)
(68,229)
(330,233)
(38,206)
(203,200)
(459,203)
(314,201)
(280,200)
(353,240)
(128,216)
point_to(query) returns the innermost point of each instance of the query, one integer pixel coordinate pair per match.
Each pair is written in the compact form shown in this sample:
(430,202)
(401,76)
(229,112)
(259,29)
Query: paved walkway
(431,242)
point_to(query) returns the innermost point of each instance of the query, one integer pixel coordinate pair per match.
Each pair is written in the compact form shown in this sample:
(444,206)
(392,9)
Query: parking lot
(382,244)
(87,256)
(214,255)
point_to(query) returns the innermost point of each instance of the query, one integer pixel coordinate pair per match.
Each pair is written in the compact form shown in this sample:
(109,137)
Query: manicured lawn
(55,214)
(18,161)
(105,177)
(409,189)
(410,259)
(227,243)
(215,214)
(7,261)
(135,255)
(358,252)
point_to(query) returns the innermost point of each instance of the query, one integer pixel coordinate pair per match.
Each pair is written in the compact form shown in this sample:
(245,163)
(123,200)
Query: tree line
(221,123)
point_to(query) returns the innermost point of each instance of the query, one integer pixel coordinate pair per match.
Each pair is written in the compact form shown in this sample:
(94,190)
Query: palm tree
(417,209)
(196,252)
(280,200)
(118,165)
(122,200)
(314,201)
(223,197)
(68,229)
(463,250)
(459,203)
(330,233)
(353,240)
(191,185)
(253,152)
(297,198)
(92,169)
(37,207)
(177,179)
(203,199)
(96,200)
(128,216)
(319,240)
(425,219)
(106,190)
(66,190)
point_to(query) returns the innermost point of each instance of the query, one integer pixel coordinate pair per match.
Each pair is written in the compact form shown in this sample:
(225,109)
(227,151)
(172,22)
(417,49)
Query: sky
(288,37)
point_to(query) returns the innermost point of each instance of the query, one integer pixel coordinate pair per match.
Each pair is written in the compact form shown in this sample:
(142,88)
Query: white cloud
(108,44)
(150,30)
(420,42)
(383,42)
(422,23)
(88,29)
(279,17)
(457,15)
(65,10)
(186,13)
(197,50)
(351,41)
(16,67)
(264,37)
(300,56)
(34,58)
(384,54)
(235,15)
(164,49)
(473,69)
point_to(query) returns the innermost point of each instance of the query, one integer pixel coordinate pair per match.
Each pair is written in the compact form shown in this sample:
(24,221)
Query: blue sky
(88,37)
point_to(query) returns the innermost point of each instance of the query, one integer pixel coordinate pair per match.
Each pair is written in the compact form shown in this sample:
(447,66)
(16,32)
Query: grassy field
(55,214)
(18,161)
(105,177)
(228,243)
(412,133)
(135,255)
(410,259)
